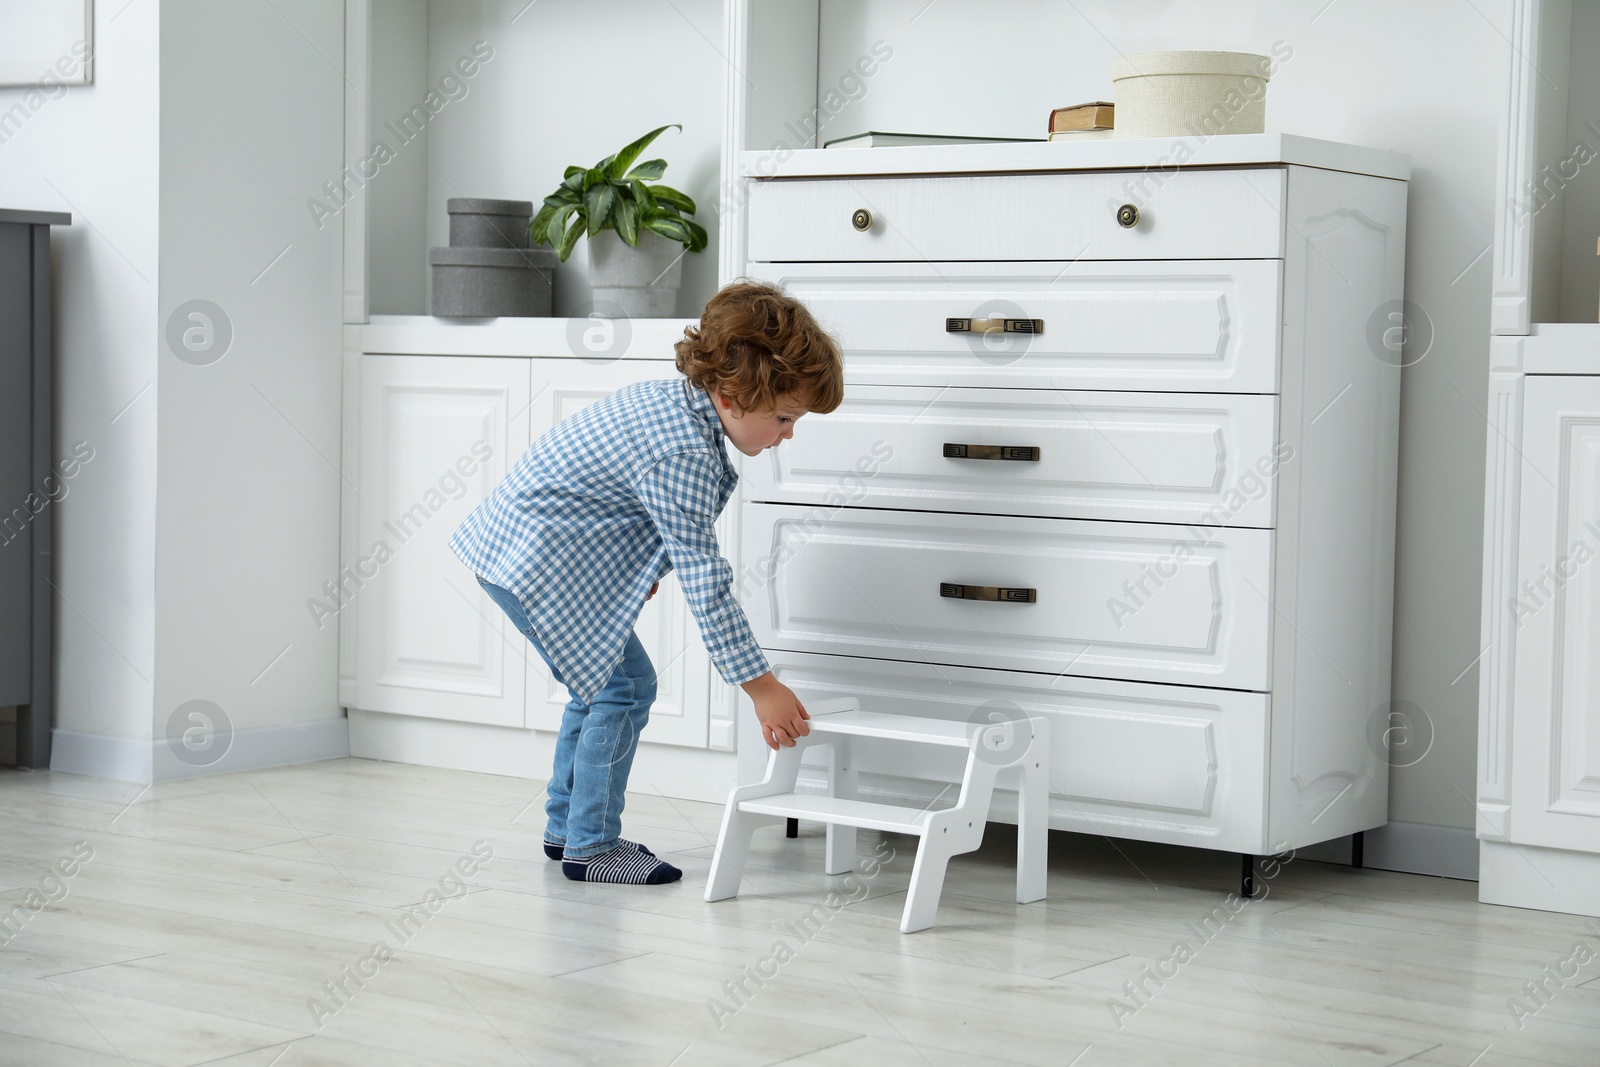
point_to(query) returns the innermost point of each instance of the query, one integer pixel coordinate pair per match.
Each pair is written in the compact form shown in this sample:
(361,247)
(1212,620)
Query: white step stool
(1023,744)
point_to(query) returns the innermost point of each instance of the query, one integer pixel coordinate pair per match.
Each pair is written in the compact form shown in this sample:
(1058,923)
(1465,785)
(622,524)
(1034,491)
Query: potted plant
(634,224)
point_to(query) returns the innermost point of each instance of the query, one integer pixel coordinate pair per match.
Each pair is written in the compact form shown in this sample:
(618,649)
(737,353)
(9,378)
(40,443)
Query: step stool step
(861,813)
(951,732)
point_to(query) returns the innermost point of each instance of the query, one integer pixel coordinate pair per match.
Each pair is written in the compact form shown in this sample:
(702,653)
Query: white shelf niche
(1548,270)
(511,93)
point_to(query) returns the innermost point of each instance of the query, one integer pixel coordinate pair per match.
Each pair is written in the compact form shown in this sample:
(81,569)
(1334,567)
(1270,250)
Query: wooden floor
(218,918)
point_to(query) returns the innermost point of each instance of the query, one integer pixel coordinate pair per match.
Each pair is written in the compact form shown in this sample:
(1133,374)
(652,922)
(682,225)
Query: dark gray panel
(16,434)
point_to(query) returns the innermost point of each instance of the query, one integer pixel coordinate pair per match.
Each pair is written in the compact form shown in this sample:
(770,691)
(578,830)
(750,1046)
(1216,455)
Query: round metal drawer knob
(862,219)
(1127,216)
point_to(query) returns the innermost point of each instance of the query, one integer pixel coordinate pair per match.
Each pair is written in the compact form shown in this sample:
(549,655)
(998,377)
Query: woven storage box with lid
(1190,94)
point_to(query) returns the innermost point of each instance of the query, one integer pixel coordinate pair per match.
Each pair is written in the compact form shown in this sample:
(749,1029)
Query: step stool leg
(840,855)
(733,841)
(733,850)
(927,882)
(791,828)
(1033,831)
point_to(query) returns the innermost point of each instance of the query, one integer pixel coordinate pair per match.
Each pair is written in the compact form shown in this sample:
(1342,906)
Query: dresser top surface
(1229,150)
(35,218)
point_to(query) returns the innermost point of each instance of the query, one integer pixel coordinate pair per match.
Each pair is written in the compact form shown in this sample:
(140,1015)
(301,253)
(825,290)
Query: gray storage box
(492,282)
(476,222)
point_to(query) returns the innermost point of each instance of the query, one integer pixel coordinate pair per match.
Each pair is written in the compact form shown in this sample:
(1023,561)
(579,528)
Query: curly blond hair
(756,343)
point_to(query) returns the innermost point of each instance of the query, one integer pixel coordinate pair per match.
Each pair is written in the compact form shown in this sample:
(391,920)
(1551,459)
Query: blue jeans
(594,750)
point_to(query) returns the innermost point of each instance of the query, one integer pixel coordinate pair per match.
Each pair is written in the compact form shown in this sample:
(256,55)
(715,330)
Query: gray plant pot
(492,282)
(479,223)
(641,282)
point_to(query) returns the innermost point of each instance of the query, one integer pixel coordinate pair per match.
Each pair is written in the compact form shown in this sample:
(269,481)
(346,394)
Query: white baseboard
(130,759)
(669,770)
(1408,847)
(1544,879)
(125,759)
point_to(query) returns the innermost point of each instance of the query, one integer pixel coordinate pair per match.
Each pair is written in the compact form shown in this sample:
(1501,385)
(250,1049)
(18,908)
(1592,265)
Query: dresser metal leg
(1357,848)
(791,828)
(1247,876)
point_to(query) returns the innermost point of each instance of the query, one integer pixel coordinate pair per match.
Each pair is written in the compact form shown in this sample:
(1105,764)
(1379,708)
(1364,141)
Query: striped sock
(622,865)
(556,849)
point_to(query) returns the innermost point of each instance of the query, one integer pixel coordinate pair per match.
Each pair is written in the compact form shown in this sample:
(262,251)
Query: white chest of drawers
(1178,495)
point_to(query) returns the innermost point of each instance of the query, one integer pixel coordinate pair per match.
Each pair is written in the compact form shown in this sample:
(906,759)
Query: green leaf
(666,194)
(570,171)
(671,227)
(628,222)
(698,234)
(573,182)
(570,239)
(599,202)
(592,178)
(555,232)
(624,159)
(642,194)
(539,228)
(650,171)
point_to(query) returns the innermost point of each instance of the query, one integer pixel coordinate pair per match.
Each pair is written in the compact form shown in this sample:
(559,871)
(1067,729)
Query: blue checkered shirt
(601,507)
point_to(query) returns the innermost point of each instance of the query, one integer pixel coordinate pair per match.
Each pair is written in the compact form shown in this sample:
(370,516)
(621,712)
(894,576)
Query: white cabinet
(1555,743)
(1538,797)
(1159,510)
(436,435)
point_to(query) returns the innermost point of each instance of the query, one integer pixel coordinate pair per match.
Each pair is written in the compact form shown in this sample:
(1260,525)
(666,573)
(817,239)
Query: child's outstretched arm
(680,494)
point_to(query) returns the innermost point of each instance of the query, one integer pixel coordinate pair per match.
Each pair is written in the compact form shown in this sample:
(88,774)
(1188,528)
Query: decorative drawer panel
(1155,457)
(1152,762)
(1193,214)
(1194,326)
(1140,601)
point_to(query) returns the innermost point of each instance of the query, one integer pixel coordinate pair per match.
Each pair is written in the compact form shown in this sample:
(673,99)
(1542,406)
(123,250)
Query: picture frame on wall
(46,43)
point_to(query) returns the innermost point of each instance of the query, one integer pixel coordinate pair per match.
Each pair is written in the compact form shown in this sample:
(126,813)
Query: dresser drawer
(1207,326)
(1167,763)
(1193,214)
(1155,457)
(1140,601)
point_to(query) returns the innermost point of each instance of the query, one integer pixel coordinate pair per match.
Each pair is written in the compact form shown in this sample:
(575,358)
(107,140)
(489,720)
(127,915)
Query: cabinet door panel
(1150,762)
(665,627)
(1139,601)
(1555,748)
(1186,326)
(437,435)
(1153,457)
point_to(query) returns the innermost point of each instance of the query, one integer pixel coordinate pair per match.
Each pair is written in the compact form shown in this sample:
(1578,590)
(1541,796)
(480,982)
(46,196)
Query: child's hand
(779,711)
(652,591)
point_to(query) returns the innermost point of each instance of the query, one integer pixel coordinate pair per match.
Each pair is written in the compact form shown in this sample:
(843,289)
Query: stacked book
(1082,122)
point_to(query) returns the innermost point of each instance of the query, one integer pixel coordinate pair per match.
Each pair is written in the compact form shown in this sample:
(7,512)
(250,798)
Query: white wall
(1422,77)
(92,150)
(248,494)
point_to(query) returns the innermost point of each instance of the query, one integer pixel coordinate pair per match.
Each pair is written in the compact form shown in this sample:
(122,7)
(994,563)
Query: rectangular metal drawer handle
(994,326)
(1008,594)
(1026,453)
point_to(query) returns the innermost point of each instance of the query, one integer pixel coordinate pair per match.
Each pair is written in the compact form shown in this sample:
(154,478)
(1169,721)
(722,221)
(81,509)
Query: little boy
(577,537)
